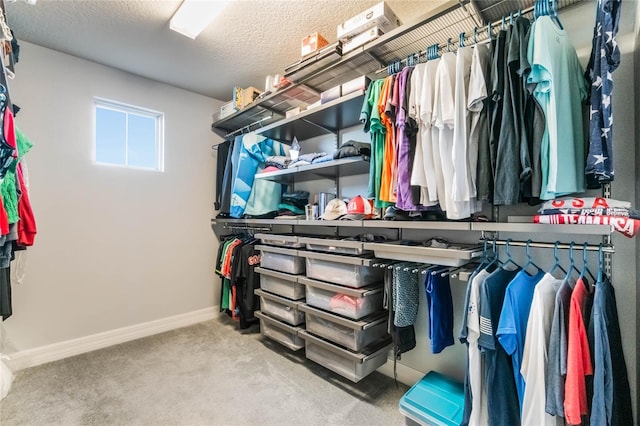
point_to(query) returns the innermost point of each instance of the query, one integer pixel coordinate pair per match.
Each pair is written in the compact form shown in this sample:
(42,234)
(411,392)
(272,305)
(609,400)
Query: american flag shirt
(604,60)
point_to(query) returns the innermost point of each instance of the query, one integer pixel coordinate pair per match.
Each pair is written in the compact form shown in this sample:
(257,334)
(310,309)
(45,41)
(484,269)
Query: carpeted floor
(206,374)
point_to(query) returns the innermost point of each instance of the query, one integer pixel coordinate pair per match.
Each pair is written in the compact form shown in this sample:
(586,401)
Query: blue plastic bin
(435,400)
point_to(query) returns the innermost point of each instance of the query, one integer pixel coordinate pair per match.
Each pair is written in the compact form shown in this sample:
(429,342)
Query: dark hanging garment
(484,182)
(534,128)
(246,281)
(495,112)
(5,293)
(512,166)
(611,403)
(604,60)
(225,193)
(223,153)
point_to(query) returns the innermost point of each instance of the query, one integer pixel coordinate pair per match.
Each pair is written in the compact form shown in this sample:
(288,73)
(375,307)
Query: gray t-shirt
(557,357)
(509,164)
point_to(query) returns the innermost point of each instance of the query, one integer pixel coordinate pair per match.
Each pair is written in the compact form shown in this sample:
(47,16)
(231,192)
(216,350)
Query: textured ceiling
(249,40)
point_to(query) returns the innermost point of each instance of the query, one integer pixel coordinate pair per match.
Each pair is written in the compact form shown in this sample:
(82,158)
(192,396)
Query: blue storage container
(435,400)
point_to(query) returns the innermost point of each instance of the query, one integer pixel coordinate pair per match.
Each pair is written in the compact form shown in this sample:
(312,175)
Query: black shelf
(328,118)
(268,109)
(329,170)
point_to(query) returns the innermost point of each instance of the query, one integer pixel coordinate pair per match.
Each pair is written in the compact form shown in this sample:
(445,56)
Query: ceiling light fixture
(193,16)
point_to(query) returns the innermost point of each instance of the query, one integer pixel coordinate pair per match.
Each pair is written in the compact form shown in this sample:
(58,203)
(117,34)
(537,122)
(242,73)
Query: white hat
(335,209)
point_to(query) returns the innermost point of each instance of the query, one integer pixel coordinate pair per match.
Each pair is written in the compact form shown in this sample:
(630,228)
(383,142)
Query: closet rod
(564,246)
(248,126)
(421,54)
(247,228)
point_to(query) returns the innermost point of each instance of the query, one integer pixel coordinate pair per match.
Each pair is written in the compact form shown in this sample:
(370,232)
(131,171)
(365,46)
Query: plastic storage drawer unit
(284,334)
(434,400)
(279,240)
(355,335)
(354,303)
(353,366)
(280,308)
(281,259)
(284,285)
(345,270)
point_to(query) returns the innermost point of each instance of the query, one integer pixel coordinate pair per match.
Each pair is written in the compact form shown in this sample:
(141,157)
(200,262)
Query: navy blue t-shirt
(502,400)
(438,290)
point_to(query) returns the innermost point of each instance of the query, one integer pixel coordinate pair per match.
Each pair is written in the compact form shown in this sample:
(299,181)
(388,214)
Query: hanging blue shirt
(512,327)
(605,58)
(440,305)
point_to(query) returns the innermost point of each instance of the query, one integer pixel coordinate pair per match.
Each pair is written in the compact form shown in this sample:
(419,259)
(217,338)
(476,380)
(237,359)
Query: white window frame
(128,109)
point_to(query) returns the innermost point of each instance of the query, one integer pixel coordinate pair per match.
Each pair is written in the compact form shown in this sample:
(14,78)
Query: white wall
(115,247)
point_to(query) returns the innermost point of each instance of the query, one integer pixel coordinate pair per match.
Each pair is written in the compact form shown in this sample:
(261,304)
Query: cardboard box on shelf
(359,83)
(293,111)
(379,15)
(360,39)
(311,43)
(330,95)
(243,97)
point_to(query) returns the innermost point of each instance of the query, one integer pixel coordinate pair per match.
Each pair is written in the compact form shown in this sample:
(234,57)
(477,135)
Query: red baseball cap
(359,208)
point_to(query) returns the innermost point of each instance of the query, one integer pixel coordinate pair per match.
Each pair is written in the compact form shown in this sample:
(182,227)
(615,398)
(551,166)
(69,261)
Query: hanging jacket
(221,171)
(253,150)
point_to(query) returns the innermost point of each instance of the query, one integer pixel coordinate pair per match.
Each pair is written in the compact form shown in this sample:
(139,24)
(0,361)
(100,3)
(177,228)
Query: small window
(128,136)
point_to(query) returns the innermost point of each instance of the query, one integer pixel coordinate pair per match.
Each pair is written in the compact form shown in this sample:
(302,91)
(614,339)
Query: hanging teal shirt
(370,117)
(560,89)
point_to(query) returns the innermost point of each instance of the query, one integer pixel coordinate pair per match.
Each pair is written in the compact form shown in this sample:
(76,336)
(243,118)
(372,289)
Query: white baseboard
(43,354)
(406,375)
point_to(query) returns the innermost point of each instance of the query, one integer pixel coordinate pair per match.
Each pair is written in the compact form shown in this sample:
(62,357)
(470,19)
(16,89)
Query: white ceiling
(249,40)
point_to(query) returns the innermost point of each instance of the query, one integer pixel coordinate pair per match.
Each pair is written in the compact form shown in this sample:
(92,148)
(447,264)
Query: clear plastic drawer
(284,285)
(280,332)
(348,302)
(280,308)
(353,366)
(354,335)
(350,271)
(280,240)
(281,259)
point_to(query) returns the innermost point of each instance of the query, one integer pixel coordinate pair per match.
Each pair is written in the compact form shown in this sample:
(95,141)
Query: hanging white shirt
(444,116)
(534,358)
(418,177)
(460,189)
(479,411)
(430,135)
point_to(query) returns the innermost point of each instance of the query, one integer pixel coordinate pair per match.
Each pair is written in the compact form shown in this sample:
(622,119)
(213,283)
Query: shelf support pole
(606,240)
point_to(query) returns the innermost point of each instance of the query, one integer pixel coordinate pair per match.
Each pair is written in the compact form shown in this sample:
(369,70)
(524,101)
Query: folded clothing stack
(353,149)
(432,213)
(293,203)
(306,159)
(278,161)
(591,211)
